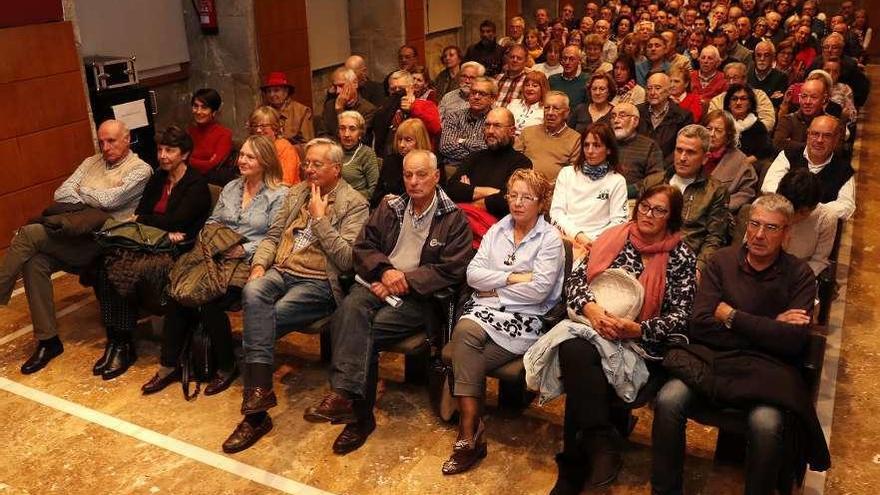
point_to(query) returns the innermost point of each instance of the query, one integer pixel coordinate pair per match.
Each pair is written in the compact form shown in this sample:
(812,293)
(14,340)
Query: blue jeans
(277,303)
(674,402)
(363,326)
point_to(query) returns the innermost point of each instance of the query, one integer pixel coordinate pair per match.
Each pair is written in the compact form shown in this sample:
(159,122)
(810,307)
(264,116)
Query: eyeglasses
(820,135)
(770,228)
(313,165)
(257,127)
(493,125)
(654,211)
(738,98)
(480,94)
(517,198)
(621,116)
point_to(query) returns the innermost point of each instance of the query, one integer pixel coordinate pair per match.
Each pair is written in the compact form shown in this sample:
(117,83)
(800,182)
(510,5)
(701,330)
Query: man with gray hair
(552,145)
(705,216)
(412,246)
(638,155)
(402,104)
(660,117)
(110,181)
(755,298)
(462,132)
(458,99)
(343,95)
(294,277)
(572,81)
(772,81)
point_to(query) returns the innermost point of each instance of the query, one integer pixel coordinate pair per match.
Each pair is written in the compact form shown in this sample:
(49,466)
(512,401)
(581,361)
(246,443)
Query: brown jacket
(335,232)
(445,255)
(296,122)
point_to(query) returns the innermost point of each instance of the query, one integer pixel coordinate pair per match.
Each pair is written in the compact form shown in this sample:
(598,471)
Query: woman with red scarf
(650,249)
(726,163)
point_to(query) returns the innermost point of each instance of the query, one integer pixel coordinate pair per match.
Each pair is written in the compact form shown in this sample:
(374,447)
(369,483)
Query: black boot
(122,356)
(572,474)
(102,361)
(604,450)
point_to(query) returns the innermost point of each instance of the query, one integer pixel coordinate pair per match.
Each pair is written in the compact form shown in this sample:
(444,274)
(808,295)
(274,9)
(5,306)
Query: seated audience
(295,118)
(660,117)
(407,59)
(457,99)
(112,182)
(528,110)
(593,63)
(753,298)
(680,92)
(628,91)
(552,145)
(590,196)
(447,79)
(479,185)
(462,132)
(294,277)
(597,108)
(819,156)
(394,255)
(265,121)
(552,56)
(517,277)
(649,248)
(421,85)
(510,82)
(727,164)
(638,155)
(841,93)
(212,142)
(705,219)
(571,80)
(772,81)
(360,167)
(343,96)
(486,51)
(735,73)
(372,91)
(177,200)
(402,104)
(515,33)
(708,81)
(246,205)
(533,46)
(813,225)
(411,135)
(751,134)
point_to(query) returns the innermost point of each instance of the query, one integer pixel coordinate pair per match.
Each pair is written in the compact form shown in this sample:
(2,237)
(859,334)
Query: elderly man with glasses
(639,156)
(462,132)
(834,170)
(552,145)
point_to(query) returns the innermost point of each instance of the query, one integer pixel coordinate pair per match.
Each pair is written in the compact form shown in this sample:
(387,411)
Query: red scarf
(714,157)
(653,278)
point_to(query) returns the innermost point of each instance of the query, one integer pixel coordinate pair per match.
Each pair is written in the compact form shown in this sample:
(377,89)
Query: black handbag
(196,361)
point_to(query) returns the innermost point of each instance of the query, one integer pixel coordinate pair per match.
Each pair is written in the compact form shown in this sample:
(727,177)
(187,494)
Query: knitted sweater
(212,144)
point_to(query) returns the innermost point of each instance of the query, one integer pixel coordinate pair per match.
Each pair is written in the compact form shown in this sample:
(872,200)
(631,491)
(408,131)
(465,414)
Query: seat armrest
(446,299)
(346,281)
(814,359)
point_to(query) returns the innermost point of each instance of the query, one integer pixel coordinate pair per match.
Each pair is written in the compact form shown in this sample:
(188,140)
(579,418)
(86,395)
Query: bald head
(113,140)
(358,65)
(657,89)
(498,130)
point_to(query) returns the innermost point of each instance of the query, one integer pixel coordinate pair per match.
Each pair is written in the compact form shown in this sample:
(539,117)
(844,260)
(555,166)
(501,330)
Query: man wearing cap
(296,118)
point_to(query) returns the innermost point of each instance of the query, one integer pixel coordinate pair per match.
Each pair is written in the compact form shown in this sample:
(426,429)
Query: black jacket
(665,133)
(487,168)
(188,205)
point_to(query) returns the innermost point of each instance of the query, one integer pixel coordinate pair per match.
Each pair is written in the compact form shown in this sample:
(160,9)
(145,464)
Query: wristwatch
(728,322)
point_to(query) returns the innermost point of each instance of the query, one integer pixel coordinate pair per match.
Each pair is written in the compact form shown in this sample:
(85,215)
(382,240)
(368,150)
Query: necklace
(354,155)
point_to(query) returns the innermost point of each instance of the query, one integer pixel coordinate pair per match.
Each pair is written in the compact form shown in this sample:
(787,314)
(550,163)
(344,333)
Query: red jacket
(716,86)
(692,104)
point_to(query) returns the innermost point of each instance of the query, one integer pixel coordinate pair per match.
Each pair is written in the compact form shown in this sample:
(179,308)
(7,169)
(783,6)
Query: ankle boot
(572,474)
(102,361)
(122,356)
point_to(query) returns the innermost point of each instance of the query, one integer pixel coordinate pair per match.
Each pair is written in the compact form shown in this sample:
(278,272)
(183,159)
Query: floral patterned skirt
(514,332)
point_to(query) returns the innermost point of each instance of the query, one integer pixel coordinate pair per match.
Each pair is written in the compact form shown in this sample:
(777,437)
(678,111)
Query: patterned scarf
(626,88)
(595,172)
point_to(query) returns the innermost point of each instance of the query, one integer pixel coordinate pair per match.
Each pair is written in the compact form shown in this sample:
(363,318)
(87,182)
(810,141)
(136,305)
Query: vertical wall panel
(282,43)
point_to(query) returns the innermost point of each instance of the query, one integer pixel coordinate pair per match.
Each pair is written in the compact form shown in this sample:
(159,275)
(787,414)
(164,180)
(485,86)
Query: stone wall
(376,29)
(473,12)
(226,62)
(530,6)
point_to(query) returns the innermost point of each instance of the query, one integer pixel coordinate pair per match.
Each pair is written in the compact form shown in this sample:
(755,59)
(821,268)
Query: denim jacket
(252,222)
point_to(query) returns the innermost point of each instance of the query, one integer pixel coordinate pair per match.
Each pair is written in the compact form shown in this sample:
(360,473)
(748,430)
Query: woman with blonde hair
(247,206)
(411,135)
(266,121)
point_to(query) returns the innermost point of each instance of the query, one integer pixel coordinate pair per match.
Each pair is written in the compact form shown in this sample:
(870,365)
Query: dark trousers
(212,315)
(587,393)
(363,326)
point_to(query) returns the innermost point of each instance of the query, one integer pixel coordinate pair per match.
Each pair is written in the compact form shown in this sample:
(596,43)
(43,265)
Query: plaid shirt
(509,88)
(462,134)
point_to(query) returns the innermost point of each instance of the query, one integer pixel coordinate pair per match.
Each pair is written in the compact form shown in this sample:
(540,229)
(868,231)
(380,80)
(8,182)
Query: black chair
(826,282)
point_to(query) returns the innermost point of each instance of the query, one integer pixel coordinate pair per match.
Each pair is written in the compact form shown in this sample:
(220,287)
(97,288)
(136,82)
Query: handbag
(202,275)
(133,236)
(196,361)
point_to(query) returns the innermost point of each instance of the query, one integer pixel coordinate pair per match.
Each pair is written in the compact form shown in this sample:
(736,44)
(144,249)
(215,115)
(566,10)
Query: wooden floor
(68,432)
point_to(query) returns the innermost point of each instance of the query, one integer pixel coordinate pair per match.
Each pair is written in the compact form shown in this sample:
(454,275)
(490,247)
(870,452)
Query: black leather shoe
(41,357)
(102,361)
(605,458)
(246,435)
(466,453)
(257,399)
(572,474)
(158,383)
(122,356)
(353,436)
(221,382)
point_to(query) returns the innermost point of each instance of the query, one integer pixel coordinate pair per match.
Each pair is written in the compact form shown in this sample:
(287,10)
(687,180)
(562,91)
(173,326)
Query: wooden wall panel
(45,131)
(414,13)
(282,43)
(15,13)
